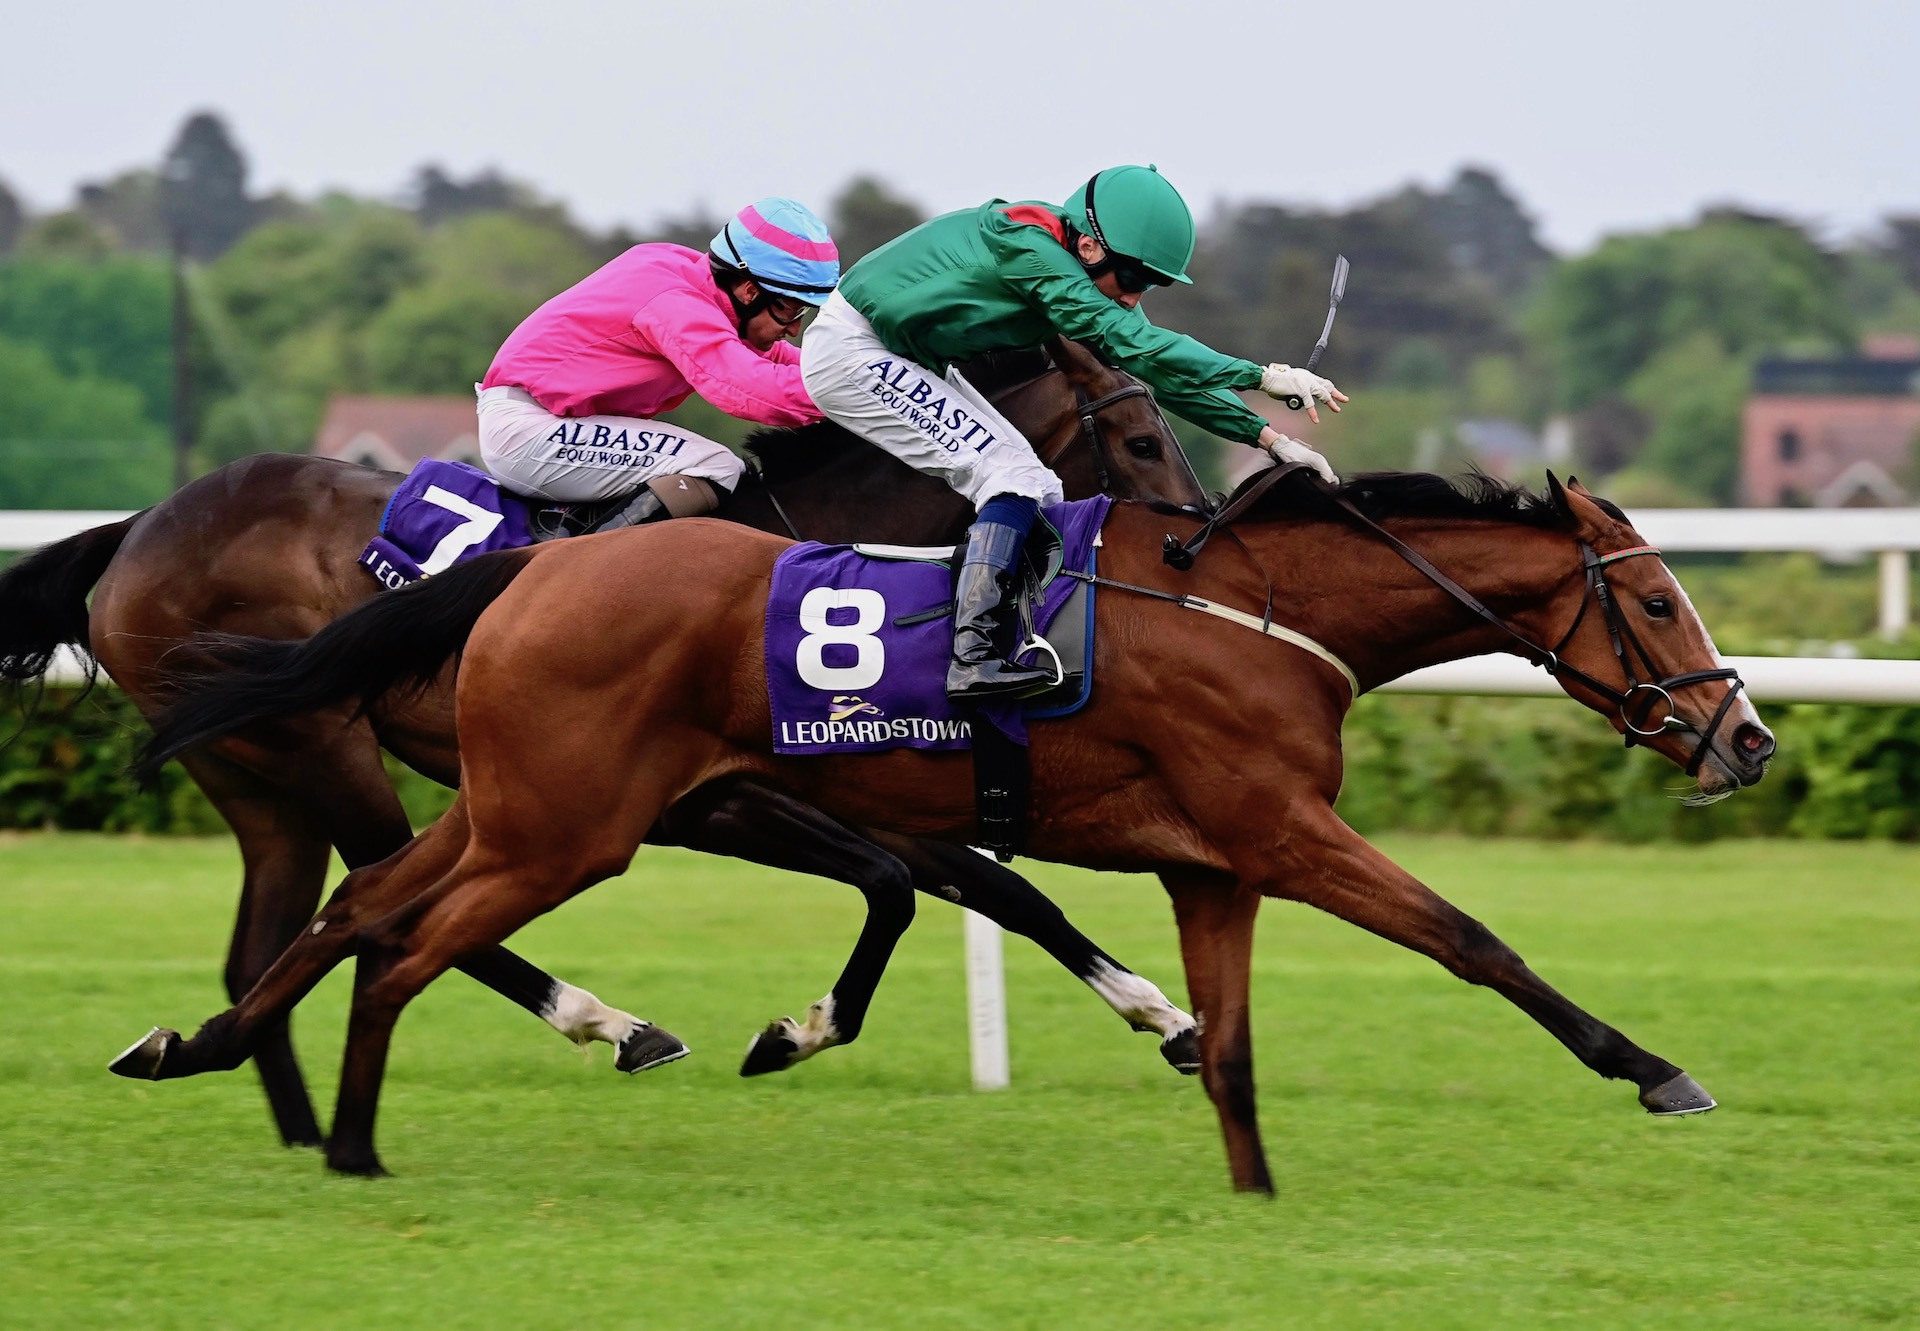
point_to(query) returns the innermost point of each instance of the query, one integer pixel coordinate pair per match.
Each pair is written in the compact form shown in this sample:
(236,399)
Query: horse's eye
(1144,446)
(1658,607)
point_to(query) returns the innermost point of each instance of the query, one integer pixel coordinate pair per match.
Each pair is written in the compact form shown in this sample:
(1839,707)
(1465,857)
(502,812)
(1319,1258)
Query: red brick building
(393,433)
(1834,433)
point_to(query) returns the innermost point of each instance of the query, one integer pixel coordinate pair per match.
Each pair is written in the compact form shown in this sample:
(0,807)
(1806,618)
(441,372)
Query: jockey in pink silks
(569,409)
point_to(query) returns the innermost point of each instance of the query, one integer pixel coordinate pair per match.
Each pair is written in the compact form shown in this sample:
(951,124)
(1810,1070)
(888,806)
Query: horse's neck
(863,493)
(1514,570)
(1367,605)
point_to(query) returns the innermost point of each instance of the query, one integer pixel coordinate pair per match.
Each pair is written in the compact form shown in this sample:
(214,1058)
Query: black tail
(43,601)
(398,641)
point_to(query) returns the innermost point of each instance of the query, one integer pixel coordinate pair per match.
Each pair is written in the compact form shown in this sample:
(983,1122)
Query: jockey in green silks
(878,359)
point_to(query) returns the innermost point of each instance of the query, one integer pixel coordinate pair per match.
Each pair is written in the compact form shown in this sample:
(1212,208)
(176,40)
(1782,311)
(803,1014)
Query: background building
(1840,433)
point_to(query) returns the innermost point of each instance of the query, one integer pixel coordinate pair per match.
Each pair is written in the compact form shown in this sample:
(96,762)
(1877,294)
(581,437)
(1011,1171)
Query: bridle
(1636,704)
(1089,409)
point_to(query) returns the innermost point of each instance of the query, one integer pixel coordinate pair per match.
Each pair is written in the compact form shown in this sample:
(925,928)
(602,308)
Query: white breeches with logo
(576,459)
(943,426)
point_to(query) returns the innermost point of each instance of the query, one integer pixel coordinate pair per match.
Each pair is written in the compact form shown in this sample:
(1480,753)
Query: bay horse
(1209,754)
(267,546)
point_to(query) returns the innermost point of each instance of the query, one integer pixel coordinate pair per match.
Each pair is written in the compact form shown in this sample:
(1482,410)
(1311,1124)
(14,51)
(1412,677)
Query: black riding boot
(644,507)
(980,668)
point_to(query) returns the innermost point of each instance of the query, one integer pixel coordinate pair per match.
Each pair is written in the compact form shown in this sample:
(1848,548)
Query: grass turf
(1441,1161)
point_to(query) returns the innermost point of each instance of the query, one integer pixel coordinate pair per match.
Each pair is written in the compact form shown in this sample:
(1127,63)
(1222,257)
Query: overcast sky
(1601,116)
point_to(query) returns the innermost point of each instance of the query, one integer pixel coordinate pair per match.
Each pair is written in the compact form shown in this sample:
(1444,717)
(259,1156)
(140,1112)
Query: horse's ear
(1557,495)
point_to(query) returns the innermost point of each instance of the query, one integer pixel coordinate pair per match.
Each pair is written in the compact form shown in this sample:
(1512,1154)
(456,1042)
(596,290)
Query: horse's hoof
(357,1166)
(1677,1096)
(648,1047)
(1182,1051)
(773,1050)
(142,1059)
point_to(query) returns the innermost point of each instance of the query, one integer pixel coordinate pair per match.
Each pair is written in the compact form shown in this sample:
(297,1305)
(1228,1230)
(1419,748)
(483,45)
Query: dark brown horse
(1209,755)
(268,547)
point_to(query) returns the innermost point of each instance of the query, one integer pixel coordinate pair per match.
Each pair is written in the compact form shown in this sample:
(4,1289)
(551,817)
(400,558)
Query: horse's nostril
(1754,742)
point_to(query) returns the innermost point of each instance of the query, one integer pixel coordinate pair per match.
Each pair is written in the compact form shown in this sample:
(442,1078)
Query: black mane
(782,455)
(1383,495)
(786,454)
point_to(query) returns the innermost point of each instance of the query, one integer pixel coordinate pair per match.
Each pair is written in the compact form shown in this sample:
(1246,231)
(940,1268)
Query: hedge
(1481,766)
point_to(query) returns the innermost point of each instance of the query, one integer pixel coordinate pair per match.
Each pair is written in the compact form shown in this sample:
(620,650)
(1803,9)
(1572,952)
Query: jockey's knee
(687,496)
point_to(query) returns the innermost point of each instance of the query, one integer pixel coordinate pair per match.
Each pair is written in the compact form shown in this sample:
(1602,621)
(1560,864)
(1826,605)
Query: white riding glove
(1292,450)
(1300,388)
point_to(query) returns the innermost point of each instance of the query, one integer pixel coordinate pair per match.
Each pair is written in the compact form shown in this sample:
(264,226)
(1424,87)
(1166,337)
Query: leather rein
(1637,704)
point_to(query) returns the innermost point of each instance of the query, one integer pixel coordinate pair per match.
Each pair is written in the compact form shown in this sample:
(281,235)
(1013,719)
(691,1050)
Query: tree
(13,220)
(1751,283)
(344,265)
(1694,391)
(65,236)
(439,197)
(1260,291)
(74,440)
(1902,247)
(128,207)
(865,215)
(204,188)
(1485,231)
(440,338)
(104,318)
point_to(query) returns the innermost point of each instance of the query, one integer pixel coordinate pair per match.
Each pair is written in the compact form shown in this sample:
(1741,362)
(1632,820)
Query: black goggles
(1132,277)
(786,311)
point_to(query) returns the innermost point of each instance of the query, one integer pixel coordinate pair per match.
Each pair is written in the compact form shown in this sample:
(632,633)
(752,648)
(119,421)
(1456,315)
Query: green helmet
(1134,211)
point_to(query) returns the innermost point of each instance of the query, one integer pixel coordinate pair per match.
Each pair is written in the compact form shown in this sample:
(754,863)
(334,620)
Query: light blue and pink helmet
(781,245)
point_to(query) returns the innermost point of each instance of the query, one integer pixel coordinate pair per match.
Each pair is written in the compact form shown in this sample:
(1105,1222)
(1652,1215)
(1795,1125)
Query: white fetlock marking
(582,1018)
(819,1031)
(1137,999)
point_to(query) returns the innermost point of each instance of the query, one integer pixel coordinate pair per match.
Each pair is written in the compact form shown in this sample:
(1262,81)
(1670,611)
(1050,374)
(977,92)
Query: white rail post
(986,1003)
(1896,593)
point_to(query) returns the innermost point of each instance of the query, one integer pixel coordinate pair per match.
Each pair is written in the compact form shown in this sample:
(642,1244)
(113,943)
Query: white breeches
(574,459)
(942,426)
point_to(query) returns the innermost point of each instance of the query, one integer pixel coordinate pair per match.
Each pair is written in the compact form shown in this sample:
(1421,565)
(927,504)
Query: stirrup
(1036,643)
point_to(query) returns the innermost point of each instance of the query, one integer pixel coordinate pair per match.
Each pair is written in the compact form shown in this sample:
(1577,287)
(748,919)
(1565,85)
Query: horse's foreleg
(759,823)
(1339,872)
(365,895)
(1216,916)
(975,881)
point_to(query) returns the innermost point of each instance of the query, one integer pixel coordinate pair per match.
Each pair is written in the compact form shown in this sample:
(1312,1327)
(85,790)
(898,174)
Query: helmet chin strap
(1099,267)
(745,310)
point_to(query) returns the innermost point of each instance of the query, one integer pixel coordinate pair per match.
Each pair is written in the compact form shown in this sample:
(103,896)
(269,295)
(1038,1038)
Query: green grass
(1441,1162)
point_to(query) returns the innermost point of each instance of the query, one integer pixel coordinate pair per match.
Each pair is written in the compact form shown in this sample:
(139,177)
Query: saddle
(858,639)
(444,513)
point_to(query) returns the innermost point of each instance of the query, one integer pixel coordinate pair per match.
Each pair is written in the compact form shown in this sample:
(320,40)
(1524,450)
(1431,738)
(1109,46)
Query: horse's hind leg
(1341,874)
(285,866)
(958,874)
(754,822)
(366,895)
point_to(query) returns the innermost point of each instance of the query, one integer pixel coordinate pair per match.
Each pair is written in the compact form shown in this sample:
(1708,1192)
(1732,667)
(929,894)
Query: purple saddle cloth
(857,643)
(442,513)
